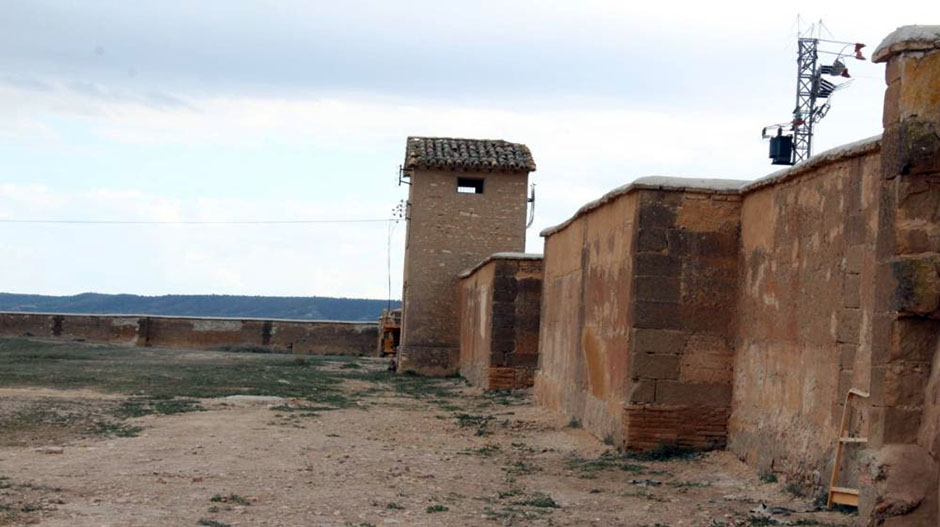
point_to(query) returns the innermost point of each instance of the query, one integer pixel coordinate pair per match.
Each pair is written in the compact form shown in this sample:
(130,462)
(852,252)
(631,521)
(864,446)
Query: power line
(193,222)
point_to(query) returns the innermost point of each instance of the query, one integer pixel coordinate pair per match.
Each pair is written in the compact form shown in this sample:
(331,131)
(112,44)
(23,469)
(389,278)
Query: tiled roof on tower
(479,154)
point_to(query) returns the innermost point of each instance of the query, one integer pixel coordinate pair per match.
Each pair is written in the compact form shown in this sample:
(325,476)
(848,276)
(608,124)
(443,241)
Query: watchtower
(467,200)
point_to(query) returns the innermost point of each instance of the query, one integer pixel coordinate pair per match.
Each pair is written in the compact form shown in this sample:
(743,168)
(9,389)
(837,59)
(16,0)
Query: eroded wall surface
(804,314)
(476,325)
(307,337)
(636,337)
(499,313)
(685,286)
(586,320)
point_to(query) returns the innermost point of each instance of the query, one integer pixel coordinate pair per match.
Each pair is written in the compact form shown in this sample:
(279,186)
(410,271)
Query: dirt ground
(387,458)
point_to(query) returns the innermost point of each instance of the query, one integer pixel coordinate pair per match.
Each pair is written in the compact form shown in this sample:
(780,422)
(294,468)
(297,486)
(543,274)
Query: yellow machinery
(389,331)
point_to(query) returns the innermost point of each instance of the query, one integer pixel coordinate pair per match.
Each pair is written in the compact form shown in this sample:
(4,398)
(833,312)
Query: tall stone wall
(685,285)
(306,337)
(819,279)
(904,460)
(449,232)
(636,332)
(499,317)
(804,310)
(586,320)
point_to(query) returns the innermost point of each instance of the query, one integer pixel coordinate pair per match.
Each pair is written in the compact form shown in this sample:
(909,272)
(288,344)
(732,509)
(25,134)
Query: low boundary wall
(310,337)
(499,321)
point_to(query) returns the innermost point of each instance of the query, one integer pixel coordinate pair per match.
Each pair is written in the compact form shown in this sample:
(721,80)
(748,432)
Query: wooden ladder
(843,495)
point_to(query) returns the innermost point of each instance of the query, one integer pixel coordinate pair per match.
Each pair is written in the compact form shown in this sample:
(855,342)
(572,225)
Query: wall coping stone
(186,317)
(499,256)
(678,184)
(725,186)
(907,38)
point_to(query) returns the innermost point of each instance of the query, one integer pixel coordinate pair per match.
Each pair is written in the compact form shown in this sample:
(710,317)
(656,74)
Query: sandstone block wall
(586,319)
(770,301)
(499,315)
(636,331)
(449,232)
(306,337)
(904,456)
(685,285)
(804,311)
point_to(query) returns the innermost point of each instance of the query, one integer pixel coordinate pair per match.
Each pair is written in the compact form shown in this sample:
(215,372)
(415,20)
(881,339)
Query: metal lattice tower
(805,112)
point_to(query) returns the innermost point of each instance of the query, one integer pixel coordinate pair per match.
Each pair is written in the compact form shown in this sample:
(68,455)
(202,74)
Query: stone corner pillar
(906,321)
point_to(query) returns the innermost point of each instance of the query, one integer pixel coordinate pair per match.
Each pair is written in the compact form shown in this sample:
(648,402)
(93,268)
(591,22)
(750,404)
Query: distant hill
(304,308)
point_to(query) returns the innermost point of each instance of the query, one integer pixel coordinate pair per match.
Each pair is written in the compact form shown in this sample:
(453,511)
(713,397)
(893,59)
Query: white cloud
(294,260)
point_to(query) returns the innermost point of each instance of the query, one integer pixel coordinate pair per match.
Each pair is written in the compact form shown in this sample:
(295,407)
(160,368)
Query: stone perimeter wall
(499,322)
(837,286)
(637,319)
(303,337)
(804,313)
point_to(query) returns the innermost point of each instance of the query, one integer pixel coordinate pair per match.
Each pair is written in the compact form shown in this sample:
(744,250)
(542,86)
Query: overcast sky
(231,110)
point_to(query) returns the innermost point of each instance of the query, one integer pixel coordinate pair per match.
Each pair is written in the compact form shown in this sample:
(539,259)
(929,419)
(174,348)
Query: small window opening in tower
(469,185)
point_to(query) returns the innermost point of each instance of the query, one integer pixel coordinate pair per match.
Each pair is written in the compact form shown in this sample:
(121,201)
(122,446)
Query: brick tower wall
(449,232)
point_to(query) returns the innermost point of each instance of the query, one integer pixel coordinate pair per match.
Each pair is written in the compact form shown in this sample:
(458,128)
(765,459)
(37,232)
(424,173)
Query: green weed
(665,453)
(610,460)
(539,500)
(483,451)
(231,498)
(768,476)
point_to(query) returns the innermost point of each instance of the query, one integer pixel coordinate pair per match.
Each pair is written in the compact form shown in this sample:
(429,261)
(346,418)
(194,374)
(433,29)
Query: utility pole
(804,113)
(789,149)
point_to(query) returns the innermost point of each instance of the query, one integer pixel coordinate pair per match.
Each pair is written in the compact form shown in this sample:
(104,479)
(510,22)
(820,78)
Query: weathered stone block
(851,291)
(659,315)
(915,339)
(431,361)
(850,321)
(691,243)
(918,147)
(527,360)
(855,229)
(656,215)
(657,288)
(899,384)
(658,340)
(654,264)
(504,289)
(855,258)
(894,425)
(918,289)
(651,240)
(642,391)
(892,72)
(675,392)
(891,113)
(651,366)
(847,359)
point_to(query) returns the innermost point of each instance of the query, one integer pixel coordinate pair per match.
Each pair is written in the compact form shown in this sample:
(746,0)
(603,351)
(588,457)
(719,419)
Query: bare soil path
(382,451)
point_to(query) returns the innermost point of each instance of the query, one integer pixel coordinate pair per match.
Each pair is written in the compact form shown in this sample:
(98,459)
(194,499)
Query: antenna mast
(804,113)
(810,88)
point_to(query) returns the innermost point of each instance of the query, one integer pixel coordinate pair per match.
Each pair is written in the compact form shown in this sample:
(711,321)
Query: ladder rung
(843,496)
(853,439)
(844,490)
